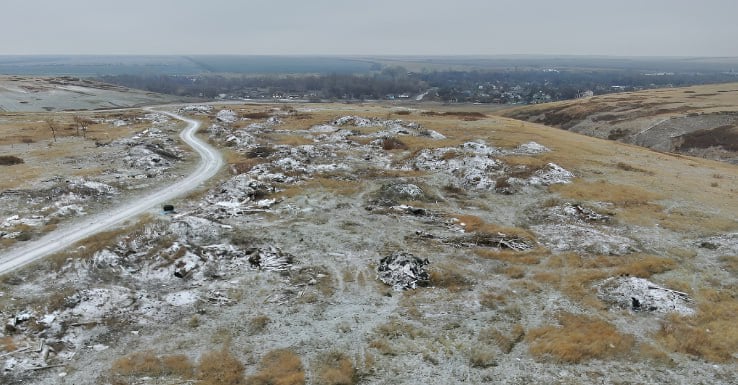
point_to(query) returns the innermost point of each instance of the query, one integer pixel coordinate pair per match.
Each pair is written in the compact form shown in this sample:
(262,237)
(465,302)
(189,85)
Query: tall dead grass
(220,367)
(710,334)
(149,364)
(336,368)
(578,338)
(473,223)
(279,367)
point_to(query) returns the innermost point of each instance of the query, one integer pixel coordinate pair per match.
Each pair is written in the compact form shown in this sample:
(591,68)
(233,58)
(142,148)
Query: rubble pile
(196,108)
(269,258)
(638,294)
(473,165)
(403,271)
(226,116)
(242,194)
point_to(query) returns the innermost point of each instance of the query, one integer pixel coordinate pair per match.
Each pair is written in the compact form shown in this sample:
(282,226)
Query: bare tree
(53,127)
(81,124)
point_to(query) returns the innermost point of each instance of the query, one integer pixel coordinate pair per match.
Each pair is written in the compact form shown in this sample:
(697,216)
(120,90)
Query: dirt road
(210,163)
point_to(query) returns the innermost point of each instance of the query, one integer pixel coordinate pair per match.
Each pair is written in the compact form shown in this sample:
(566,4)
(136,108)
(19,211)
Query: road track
(210,163)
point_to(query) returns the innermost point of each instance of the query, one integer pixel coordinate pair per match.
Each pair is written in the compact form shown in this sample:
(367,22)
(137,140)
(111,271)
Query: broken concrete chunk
(403,271)
(269,258)
(640,294)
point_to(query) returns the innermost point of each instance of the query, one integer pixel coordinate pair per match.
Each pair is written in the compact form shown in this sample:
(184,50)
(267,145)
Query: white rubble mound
(551,174)
(580,236)
(226,116)
(200,108)
(640,294)
(530,148)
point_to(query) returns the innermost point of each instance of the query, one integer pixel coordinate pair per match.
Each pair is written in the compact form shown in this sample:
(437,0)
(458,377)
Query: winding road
(210,163)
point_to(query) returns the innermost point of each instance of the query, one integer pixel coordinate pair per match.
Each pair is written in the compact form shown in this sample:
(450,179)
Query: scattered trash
(403,271)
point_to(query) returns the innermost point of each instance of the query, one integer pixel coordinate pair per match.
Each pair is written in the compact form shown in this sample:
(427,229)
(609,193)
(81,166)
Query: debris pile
(269,258)
(197,108)
(403,271)
(497,240)
(226,116)
(640,294)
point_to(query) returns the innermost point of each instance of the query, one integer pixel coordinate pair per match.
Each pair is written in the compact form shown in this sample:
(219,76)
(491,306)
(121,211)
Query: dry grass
(258,324)
(628,167)
(531,257)
(492,300)
(336,368)
(711,334)
(279,367)
(450,277)
(515,272)
(730,263)
(482,357)
(685,220)
(292,140)
(220,367)
(506,342)
(8,344)
(389,144)
(245,165)
(644,266)
(578,338)
(149,364)
(601,191)
(472,223)
(335,186)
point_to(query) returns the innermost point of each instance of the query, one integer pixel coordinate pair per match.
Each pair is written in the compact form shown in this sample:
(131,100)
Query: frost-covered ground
(317,232)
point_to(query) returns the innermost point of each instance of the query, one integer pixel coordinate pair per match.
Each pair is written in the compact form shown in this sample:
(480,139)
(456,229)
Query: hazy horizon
(629,28)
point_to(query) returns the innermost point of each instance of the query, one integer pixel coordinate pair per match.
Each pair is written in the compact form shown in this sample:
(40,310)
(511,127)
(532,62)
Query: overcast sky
(371,27)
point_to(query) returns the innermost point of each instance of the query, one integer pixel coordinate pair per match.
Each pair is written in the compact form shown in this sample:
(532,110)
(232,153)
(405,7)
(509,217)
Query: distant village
(530,86)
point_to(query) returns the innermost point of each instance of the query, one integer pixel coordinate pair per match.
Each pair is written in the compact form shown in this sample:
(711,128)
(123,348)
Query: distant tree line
(519,86)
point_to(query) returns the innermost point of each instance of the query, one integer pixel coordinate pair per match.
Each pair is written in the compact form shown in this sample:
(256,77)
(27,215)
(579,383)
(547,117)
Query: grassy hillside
(700,120)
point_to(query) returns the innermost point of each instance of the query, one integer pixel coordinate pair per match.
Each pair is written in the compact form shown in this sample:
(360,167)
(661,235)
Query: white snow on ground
(640,294)
(564,237)
(182,298)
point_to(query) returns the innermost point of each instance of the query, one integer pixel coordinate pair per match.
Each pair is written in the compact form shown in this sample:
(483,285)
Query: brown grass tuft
(506,343)
(389,144)
(472,223)
(336,368)
(8,344)
(579,338)
(646,266)
(246,165)
(149,364)
(279,367)
(531,257)
(491,300)
(711,334)
(220,367)
(450,277)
